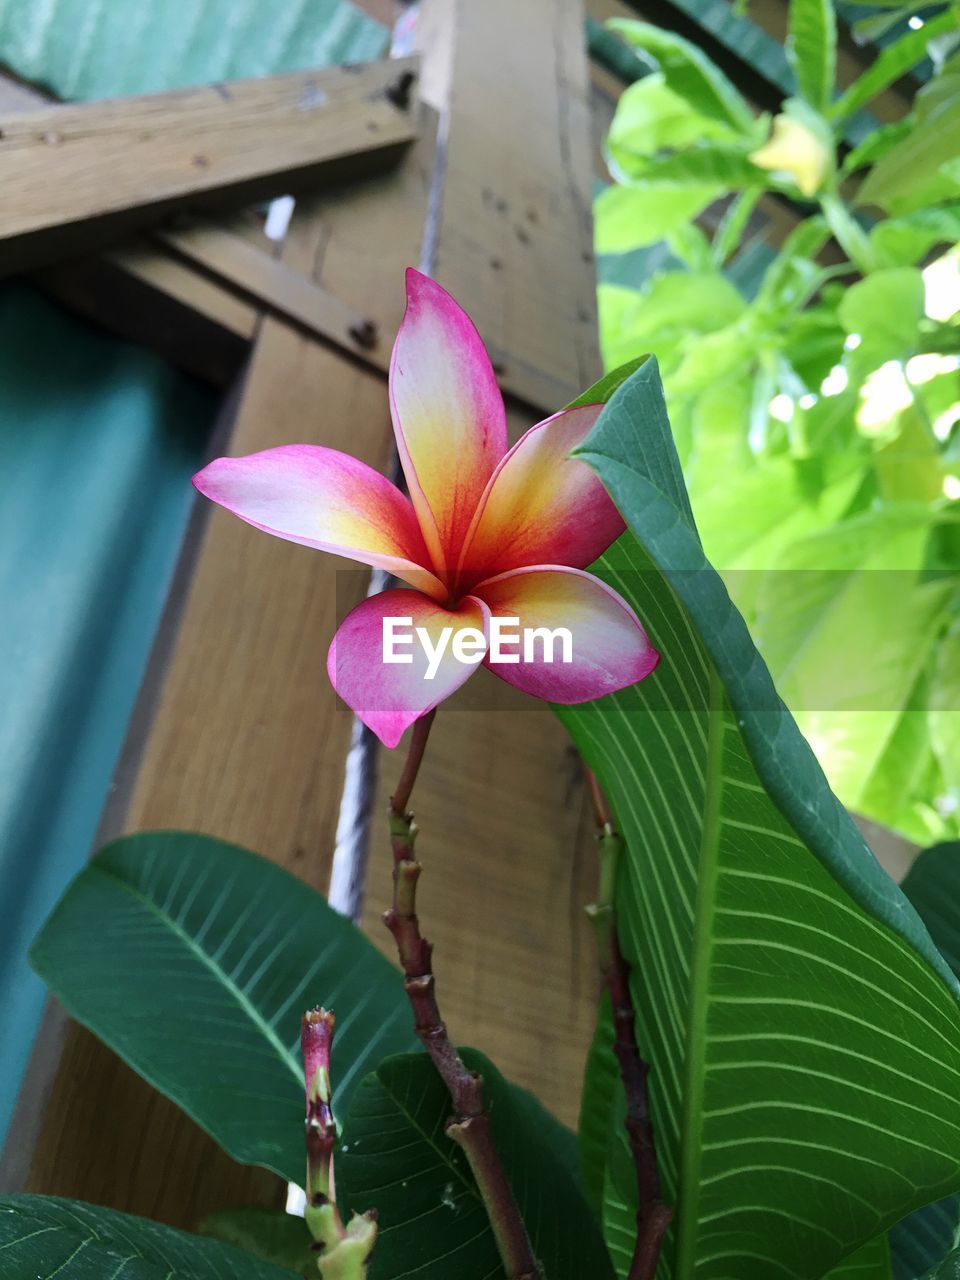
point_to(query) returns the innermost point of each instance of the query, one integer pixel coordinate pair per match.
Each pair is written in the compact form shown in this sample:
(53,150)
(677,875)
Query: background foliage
(813,391)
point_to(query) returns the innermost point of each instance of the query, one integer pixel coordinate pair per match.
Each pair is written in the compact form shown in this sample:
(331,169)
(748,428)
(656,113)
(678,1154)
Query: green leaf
(925,1238)
(944,710)
(904,241)
(628,217)
(194,960)
(885,310)
(432,1224)
(803,1031)
(733,224)
(269,1234)
(871,1262)
(651,116)
(43,1236)
(948,1269)
(716,164)
(812,49)
(890,64)
(921,169)
(689,73)
(876,145)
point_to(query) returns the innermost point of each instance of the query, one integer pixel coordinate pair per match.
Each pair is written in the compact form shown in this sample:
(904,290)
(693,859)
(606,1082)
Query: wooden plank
(247,740)
(79,175)
(276,287)
(509,853)
(515,219)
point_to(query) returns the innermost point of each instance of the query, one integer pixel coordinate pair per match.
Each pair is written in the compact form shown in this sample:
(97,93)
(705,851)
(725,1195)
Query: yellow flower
(796,150)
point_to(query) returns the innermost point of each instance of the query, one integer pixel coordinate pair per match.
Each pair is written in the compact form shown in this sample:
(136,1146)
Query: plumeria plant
(820,378)
(773,1089)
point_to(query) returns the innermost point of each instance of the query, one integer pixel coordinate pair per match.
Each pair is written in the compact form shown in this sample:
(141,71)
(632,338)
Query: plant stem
(343,1252)
(653,1215)
(469,1126)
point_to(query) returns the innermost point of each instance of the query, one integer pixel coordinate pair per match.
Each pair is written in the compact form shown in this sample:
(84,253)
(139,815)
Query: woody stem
(653,1215)
(469,1126)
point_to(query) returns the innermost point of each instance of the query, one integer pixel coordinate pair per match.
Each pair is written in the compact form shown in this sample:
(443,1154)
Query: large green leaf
(269,1234)
(812,49)
(397,1157)
(803,1030)
(885,311)
(194,960)
(872,1262)
(923,1239)
(43,1237)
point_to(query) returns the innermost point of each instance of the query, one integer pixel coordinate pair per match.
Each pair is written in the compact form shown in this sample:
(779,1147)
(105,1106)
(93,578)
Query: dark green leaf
(397,1158)
(803,1031)
(871,1262)
(194,960)
(269,1234)
(42,1237)
(812,49)
(925,1238)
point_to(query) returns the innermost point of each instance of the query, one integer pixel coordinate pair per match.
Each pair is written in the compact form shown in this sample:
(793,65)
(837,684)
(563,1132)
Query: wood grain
(513,231)
(78,175)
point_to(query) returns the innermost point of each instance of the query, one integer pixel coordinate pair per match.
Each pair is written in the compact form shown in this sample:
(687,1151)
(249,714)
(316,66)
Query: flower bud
(795,149)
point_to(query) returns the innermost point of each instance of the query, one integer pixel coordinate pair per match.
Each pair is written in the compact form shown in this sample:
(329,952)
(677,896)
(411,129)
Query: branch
(343,1251)
(469,1126)
(653,1215)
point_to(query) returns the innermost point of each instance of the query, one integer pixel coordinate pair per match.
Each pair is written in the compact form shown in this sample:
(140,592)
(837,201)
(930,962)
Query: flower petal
(448,415)
(609,648)
(389,696)
(542,506)
(321,498)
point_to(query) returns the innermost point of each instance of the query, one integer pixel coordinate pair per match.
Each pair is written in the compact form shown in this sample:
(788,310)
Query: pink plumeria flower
(486,532)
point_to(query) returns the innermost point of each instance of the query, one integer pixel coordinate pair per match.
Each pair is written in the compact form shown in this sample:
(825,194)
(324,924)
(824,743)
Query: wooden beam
(79,176)
(239,732)
(516,208)
(274,286)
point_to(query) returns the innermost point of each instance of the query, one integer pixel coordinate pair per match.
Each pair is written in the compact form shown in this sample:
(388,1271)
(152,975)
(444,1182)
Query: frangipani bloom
(487,532)
(796,150)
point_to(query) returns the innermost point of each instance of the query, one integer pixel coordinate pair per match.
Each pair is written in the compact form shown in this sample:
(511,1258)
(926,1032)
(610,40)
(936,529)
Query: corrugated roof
(107,48)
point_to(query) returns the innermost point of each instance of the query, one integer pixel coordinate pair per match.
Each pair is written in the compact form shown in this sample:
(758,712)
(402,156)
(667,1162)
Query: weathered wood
(247,739)
(77,176)
(274,286)
(514,227)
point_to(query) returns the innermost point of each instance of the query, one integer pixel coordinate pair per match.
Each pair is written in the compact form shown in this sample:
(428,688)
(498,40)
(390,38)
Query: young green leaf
(42,1237)
(891,63)
(396,1156)
(812,49)
(689,73)
(802,1029)
(193,960)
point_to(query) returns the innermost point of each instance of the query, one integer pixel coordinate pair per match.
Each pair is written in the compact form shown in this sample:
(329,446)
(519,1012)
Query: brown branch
(653,1215)
(469,1126)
